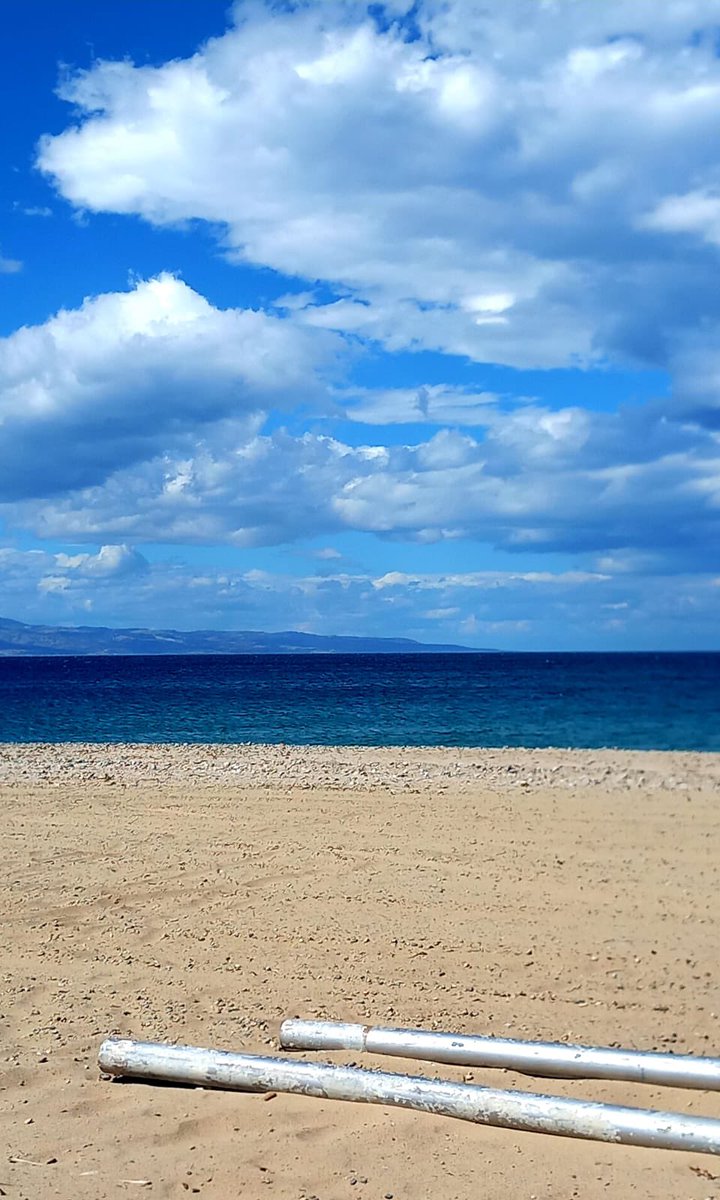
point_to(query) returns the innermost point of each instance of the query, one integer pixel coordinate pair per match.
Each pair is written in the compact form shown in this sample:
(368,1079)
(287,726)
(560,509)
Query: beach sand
(201,894)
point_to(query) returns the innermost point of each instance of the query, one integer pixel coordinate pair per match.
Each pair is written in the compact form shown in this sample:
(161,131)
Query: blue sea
(634,701)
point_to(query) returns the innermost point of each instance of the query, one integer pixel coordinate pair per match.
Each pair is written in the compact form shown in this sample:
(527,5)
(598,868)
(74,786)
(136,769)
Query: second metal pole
(550,1059)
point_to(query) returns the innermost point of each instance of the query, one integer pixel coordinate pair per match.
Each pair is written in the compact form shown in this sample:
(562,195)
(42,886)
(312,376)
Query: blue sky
(391,320)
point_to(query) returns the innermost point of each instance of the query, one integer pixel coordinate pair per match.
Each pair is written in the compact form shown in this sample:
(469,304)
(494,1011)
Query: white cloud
(53,584)
(247,492)
(69,575)
(10,266)
(631,488)
(476,189)
(131,374)
(695,212)
(483,580)
(487,607)
(33,210)
(110,561)
(434,404)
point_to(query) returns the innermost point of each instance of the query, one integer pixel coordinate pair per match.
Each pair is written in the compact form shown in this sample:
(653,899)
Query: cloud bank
(532,186)
(525,610)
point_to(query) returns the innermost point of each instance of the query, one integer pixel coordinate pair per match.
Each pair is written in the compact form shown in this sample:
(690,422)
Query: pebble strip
(355,768)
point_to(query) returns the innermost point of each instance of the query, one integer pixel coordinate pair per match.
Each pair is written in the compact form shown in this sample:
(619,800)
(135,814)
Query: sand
(200,894)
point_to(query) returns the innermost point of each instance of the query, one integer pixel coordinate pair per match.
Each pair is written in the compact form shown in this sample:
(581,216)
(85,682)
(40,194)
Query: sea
(647,701)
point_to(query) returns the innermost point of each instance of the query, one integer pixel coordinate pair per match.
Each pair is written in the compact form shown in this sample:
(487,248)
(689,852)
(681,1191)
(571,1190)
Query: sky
(393,320)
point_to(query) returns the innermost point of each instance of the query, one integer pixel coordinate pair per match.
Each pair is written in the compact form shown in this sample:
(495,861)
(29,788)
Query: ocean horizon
(577,700)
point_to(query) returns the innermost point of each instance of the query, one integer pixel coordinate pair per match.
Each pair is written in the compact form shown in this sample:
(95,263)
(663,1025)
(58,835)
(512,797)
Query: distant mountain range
(17,638)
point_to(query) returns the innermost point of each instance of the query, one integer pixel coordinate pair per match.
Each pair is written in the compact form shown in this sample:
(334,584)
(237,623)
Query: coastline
(202,893)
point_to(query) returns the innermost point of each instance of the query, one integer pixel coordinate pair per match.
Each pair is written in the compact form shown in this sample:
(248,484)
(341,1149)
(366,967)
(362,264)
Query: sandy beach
(202,893)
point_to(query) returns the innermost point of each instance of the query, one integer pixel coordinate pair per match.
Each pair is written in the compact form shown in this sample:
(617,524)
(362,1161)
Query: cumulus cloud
(130,373)
(116,562)
(485,181)
(568,481)
(262,491)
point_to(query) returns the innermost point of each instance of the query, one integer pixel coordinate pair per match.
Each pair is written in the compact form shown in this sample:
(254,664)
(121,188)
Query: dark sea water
(643,701)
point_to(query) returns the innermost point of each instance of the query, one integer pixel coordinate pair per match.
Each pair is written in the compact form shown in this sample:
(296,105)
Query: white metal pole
(549,1059)
(485,1106)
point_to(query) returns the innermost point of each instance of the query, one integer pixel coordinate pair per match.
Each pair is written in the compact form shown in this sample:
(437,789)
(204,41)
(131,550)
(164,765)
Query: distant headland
(18,638)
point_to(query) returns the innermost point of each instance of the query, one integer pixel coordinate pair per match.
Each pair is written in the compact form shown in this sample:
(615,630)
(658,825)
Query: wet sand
(201,894)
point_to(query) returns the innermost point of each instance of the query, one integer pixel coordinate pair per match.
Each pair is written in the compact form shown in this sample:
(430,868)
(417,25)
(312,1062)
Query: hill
(17,638)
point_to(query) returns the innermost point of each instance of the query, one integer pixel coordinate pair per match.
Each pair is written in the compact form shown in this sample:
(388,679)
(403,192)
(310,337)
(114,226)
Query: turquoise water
(643,701)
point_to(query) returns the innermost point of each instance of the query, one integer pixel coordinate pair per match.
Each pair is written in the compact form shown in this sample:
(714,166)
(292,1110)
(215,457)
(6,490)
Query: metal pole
(550,1059)
(484,1106)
